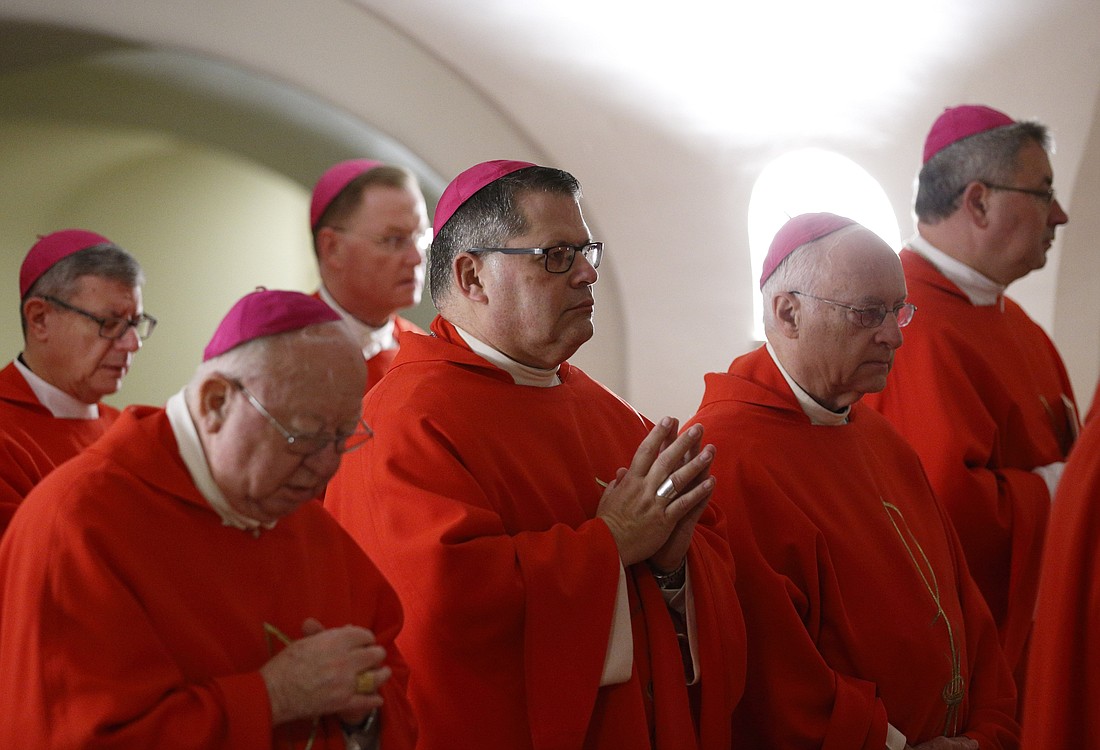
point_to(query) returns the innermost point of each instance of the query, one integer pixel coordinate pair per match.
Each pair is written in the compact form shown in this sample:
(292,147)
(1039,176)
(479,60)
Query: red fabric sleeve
(477,500)
(15,480)
(1000,511)
(446,551)
(1063,688)
(980,393)
(108,676)
(795,699)
(851,585)
(133,618)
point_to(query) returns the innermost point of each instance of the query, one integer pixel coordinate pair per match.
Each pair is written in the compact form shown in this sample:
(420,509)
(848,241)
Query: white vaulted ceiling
(666,112)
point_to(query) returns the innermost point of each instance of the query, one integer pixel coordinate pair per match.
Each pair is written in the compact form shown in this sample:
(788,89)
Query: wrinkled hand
(947,743)
(317,675)
(648,527)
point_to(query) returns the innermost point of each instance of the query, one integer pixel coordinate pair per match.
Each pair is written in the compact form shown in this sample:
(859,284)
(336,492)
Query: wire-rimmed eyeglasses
(394,243)
(871,317)
(1046,195)
(110,328)
(305,444)
(559,258)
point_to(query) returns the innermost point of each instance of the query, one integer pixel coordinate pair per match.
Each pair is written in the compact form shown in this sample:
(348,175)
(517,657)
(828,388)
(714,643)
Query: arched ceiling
(73,76)
(666,113)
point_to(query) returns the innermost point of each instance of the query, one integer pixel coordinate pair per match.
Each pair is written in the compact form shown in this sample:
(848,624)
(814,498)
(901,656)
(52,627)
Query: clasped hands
(646,523)
(326,672)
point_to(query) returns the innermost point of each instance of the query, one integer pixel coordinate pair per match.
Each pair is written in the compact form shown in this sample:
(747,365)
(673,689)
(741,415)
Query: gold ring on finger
(364,682)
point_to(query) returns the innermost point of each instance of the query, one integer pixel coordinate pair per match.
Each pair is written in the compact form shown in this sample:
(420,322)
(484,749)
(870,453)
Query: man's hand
(319,674)
(644,524)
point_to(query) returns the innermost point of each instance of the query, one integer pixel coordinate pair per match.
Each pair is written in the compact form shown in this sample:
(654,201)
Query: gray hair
(489,218)
(991,155)
(107,261)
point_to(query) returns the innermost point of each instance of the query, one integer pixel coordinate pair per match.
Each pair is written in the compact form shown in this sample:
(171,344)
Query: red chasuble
(982,395)
(133,618)
(33,441)
(477,499)
(858,604)
(1063,680)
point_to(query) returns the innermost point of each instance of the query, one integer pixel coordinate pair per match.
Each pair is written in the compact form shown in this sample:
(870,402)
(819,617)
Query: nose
(324,462)
(414,255)
(129,341)
(1057,215)
(889,332)
(583,273)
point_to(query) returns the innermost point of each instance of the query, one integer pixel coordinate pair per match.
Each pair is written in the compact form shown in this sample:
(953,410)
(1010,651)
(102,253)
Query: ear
(975,203)
(35,312)
(329,247)
(787,313)
(213,402)
(466,277)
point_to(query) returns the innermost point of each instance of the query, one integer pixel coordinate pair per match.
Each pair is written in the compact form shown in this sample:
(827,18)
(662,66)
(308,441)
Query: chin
(876,387)
(574,343)
(103,393)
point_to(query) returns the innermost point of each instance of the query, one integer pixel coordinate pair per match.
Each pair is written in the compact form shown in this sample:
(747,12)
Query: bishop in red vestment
(82,323)
(496,497)
(176,584)
(33,441)
(979,389)
(865,628)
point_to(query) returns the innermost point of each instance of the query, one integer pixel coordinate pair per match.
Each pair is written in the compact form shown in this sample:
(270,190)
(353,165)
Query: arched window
(808,180)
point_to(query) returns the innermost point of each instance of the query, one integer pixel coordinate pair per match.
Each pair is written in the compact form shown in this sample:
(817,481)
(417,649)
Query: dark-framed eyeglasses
(1046,195)
(871,317)
(307,444)
(394,243)
(110,328)
(559,258)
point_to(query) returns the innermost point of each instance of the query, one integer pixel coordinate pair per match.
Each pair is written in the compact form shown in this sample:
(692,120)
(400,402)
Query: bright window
(806,181)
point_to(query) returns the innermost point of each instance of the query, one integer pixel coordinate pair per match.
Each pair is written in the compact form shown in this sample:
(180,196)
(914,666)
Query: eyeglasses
(394,243)
(110,328)
(1046,195)
(871,317)
(559,258)
(306,444)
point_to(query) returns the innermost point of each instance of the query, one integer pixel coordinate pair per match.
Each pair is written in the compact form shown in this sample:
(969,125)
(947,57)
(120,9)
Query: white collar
(371,340)
(190,447)
(522,374)
(59,403)
(980,289)
(817,413)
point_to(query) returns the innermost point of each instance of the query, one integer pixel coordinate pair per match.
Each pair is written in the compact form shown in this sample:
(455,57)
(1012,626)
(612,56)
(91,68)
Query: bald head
(832,314)
(307,382)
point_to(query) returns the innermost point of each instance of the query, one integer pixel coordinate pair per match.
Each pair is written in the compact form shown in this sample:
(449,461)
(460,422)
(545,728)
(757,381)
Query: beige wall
(182,210)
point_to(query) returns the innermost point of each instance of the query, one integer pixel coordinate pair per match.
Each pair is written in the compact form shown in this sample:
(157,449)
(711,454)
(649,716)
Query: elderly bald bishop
(177,585)
(865,629)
